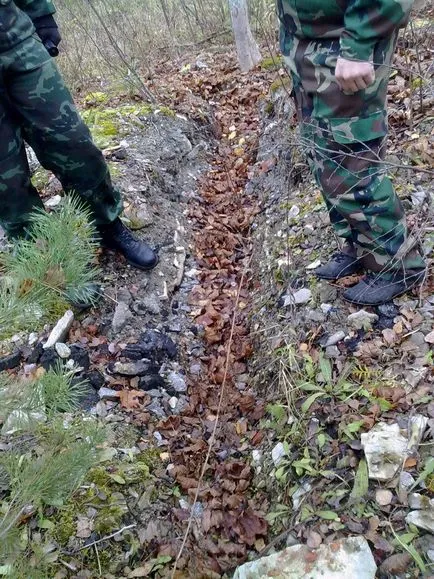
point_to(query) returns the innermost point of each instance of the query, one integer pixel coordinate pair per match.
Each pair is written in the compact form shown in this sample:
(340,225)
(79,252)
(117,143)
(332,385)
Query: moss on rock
(40,178)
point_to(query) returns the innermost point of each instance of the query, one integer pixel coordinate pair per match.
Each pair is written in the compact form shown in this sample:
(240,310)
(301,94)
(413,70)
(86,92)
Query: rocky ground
(246,403)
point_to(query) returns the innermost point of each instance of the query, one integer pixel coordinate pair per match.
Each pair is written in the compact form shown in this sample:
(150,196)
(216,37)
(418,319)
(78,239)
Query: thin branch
(106,538)
(146,92)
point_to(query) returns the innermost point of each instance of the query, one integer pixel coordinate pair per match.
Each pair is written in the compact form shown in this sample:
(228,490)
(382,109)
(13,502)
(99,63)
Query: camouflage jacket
(16,18)
(359,24)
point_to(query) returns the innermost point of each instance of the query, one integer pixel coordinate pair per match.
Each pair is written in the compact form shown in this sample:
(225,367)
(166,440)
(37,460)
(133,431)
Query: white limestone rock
(350,557)
(385,450)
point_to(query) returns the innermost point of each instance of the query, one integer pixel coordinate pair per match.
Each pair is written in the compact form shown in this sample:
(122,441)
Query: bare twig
(107,537)
(146,92)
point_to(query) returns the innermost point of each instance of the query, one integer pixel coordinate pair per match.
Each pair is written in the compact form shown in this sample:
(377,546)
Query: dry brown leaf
(131,398)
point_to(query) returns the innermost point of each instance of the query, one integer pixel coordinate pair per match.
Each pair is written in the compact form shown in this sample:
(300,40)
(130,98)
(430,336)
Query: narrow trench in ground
(210,452)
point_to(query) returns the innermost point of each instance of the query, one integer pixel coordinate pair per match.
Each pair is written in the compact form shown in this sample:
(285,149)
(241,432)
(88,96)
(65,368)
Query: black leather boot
(375,289)
(340,265)
(118,237)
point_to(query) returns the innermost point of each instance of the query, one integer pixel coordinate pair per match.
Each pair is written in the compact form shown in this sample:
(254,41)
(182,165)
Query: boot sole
(417,281)
(141,267)
(132,263)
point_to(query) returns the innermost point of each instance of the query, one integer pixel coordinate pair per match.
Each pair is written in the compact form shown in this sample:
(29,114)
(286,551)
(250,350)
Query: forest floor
(235,415)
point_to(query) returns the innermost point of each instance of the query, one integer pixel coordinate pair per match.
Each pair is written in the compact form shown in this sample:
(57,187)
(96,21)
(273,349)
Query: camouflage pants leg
(35,106)
(344,136)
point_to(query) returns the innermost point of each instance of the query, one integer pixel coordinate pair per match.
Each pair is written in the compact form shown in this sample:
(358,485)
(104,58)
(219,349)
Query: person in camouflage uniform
(36,107)
(339,55)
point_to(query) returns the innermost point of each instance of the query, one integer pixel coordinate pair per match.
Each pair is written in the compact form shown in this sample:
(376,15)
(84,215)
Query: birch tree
(247,48)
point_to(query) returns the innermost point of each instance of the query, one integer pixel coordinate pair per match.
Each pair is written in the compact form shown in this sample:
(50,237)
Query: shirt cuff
(358,50)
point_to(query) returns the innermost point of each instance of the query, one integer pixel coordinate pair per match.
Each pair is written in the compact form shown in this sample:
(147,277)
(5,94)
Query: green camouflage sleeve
(366,22)
(36,8)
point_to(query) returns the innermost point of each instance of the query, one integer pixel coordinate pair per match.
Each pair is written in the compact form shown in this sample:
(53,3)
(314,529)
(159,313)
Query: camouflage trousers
(344,136)
(36,107)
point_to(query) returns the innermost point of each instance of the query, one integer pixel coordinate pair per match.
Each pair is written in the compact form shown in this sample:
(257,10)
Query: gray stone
(33,338)
(53,201)
(350,557)
(175,327)
(173,402)
(414,375)
(327,293)
(121,317)
(418,197)
(154,393)
(418,339)
(424,519)
(60,330)
(149,304)
(181,405)
(101,409)
(389,310)
(124,295)
(62,350)
(362,320)
(195,369)
(430,338)
(416,427)
(256,456)
(297,497)
(108,394)
(332,352)
(335,338)
(156,409)
(293,212)
(406,481)
(301,296)
(278,453)
(383,497)
(385,449)
(326,308)
(418,501)
(416,344)
(177,382)
(139,368)
(316,316)
(314,264)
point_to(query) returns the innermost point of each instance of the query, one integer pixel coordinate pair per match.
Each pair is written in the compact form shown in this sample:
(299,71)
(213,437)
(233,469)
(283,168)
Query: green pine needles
(24,404)
(44,456)
(54,265)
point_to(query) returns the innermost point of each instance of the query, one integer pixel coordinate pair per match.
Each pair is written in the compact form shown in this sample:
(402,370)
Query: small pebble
(278,453)
(383,497)
(33,338)
(301,296)
(63,350)
(256,455)
(108,394)
(173,402)
(335,338)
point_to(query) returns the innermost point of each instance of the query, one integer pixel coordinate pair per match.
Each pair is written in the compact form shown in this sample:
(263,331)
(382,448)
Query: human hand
(353,76)
(48,32)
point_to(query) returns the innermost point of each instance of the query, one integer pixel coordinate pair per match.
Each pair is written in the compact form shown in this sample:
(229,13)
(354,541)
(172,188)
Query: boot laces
(124,234)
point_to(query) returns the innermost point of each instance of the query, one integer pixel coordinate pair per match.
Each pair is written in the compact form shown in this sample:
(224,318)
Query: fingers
(354,76)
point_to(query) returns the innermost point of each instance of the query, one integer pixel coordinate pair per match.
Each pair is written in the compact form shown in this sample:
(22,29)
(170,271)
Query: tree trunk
(247,49)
